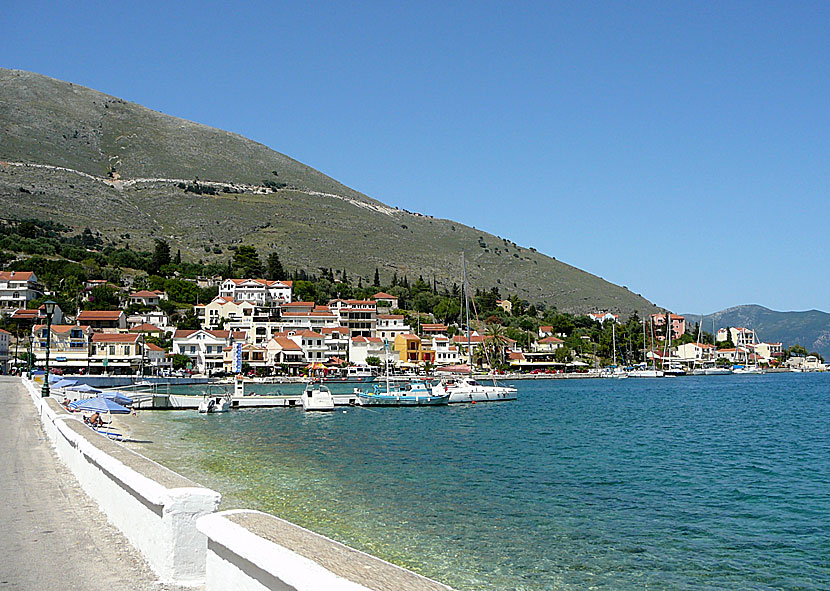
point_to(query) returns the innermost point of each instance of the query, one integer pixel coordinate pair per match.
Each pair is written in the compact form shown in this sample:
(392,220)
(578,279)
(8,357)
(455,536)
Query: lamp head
(50,307)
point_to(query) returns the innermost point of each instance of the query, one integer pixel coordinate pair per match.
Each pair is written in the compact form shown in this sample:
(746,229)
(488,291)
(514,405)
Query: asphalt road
(52,536)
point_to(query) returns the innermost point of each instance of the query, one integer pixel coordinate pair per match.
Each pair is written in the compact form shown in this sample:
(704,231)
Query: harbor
(595,480)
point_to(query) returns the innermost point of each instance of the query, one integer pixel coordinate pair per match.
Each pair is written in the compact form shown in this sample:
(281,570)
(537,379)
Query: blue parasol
(64,383)
(117,397)
(100,405)
(84,388)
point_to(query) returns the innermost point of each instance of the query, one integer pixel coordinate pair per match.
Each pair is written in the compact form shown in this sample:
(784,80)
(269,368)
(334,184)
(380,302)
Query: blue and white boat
(410,394)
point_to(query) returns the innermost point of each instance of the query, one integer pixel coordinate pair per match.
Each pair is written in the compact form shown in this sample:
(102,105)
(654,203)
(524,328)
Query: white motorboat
(316,396)
(469,390)
(212,403)
(747,370)
(645,372)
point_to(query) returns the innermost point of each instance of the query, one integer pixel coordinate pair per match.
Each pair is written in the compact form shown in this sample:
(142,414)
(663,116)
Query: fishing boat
(411,394)
(316,396)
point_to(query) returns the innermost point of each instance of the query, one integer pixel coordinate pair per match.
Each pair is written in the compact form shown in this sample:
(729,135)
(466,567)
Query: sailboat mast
(466,294)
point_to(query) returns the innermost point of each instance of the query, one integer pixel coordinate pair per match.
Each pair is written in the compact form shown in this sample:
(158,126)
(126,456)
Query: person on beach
(95,420)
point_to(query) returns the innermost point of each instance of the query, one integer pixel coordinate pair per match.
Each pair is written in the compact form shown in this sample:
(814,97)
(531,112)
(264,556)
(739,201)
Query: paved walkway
(52,536)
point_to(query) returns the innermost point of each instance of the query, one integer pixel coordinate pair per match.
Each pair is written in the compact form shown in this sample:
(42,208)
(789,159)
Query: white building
(147,298)
(157,318)
(359,316)
(312,343)
(315,319)
(601,317)
(204,347)
(770,351)
(223,310)
(360,348)
(391,325)
(258,291)
(17,288)
(337,341)
(739,336)
(157,359)
(695,352)
(385,300)
(547,345)
(282,351)
(446,353)
(808,363)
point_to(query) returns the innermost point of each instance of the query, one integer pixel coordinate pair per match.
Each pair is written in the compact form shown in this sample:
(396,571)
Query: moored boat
(316,396)
(470,390)
(411,394)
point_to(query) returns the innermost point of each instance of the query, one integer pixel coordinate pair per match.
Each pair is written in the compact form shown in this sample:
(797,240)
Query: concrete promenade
(52,536)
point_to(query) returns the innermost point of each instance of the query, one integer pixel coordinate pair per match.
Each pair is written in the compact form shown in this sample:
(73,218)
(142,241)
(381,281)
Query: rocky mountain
(87,159)
(810,329)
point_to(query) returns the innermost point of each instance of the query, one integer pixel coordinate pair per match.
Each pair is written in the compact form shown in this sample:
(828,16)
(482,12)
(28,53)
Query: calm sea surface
(717,482)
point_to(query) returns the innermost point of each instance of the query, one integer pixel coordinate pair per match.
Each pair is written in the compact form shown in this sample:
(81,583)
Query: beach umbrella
(54,378)
(84,388)
(100,404)
(64,383)
(117,397)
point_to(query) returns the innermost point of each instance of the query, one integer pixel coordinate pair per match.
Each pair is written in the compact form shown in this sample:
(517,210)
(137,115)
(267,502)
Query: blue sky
(680,149)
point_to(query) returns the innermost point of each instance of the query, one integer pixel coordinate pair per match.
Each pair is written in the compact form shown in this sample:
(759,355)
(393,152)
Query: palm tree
(494,333)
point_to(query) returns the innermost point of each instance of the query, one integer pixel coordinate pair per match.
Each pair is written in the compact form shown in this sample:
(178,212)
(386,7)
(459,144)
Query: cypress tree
(377,278)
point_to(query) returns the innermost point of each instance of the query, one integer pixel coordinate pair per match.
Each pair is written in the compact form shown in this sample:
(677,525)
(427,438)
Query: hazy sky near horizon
(680,149)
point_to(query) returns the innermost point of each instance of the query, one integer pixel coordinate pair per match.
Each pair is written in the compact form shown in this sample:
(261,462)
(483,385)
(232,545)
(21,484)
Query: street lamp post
(31,352)
(50,309)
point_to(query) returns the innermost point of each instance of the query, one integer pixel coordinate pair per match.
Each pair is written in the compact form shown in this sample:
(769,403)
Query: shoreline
(236,549)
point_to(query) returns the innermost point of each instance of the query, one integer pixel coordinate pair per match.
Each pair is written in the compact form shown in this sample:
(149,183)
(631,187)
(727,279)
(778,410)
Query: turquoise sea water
(717,482)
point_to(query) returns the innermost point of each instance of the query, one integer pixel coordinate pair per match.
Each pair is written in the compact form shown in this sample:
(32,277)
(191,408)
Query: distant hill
(87,159)
(810,329)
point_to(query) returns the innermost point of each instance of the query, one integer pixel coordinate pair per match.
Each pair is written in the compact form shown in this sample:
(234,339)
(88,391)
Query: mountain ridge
(809,328)
(136,160)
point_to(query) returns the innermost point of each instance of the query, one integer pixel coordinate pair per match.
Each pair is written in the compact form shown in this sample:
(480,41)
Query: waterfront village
(260,328)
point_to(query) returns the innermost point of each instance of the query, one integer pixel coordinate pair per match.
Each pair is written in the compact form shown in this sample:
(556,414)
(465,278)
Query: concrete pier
(53,535)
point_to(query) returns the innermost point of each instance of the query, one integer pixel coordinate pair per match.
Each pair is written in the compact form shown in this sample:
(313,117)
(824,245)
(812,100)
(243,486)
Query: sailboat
(673,369)
(466,389)
(708,368)
(747,368)
(643,370)
(616,372)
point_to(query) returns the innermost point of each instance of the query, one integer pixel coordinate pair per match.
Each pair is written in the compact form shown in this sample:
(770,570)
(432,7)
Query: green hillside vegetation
(214,191)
